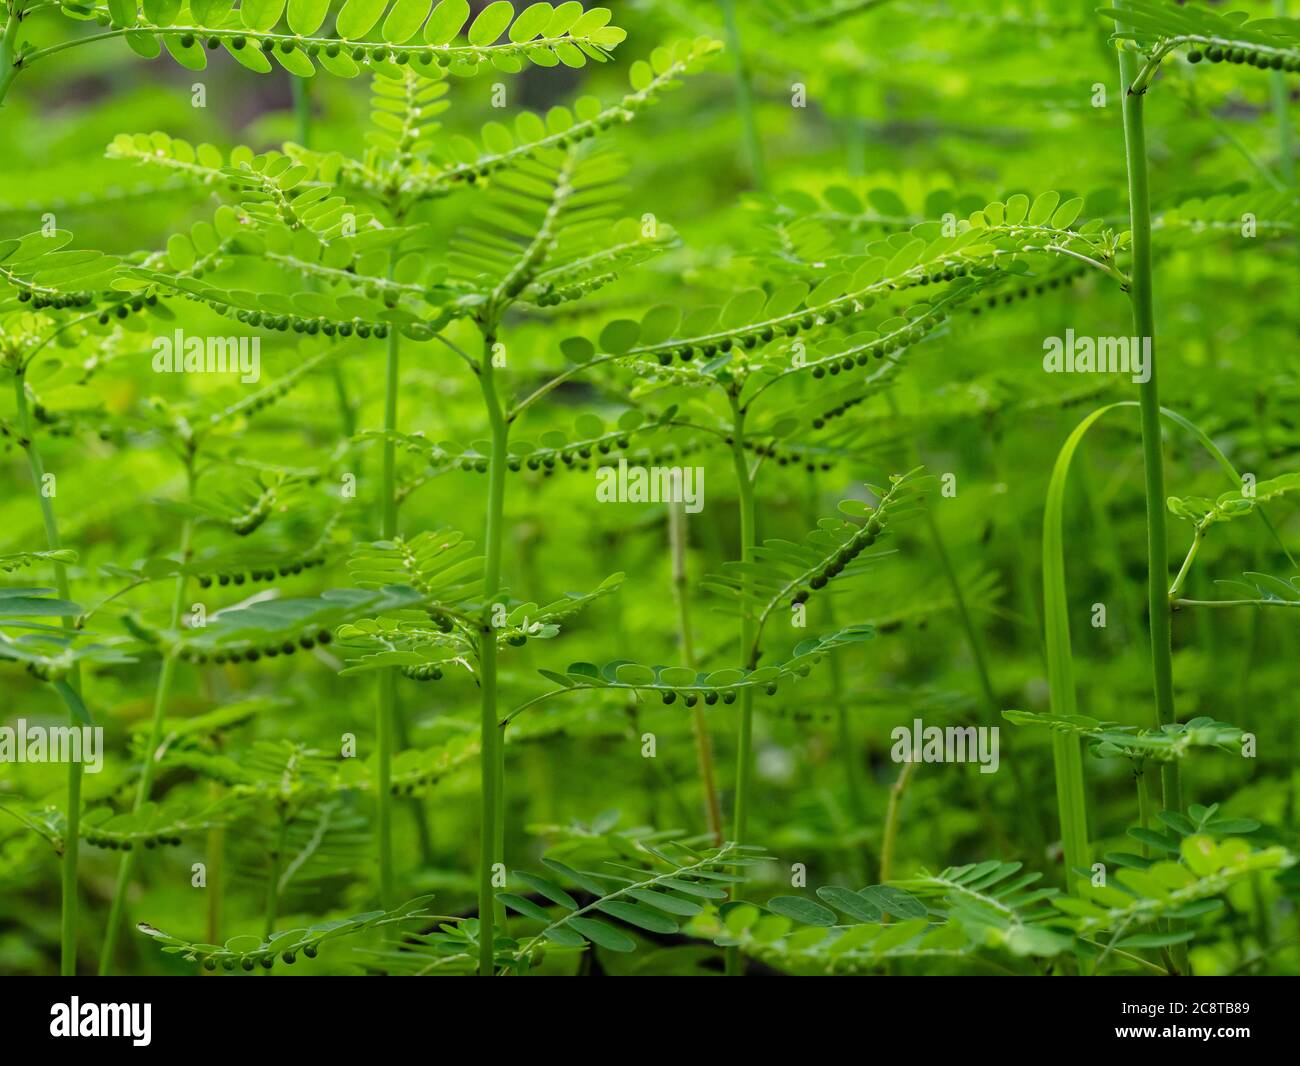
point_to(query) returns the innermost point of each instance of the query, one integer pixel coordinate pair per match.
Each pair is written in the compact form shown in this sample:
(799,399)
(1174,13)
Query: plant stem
(72,817)
(8,47)
(300,89)
(1180,603)
(703,744)
(392,382)
(273,879)
(347,416)
(973,640)
(890,835)
(1281,93)
(71,846)
(216,854)
(745,733)
(745,739)
(387,678)
(991,709)
(1142,298)
(1144,805)
(384,784)
(402,738)
(1112,561)
(162,693)
(844,728)
(744,97)
(273,876)
(1141,293)
(492,783)
(1176,589)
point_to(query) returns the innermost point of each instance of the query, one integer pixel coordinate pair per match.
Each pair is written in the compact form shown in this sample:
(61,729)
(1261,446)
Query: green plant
(340,412)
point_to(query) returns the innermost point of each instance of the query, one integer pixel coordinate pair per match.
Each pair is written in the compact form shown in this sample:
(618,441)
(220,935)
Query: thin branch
(1179,604)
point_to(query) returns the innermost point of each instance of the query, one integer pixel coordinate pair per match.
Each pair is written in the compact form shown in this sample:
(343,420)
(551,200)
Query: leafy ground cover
(671,489)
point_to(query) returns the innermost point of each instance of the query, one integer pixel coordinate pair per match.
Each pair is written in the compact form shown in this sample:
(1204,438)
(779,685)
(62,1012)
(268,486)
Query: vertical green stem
(347,416)
(973,640)
(890,836)
(1281,91)
(216,856)
(162,693)
(745,733)
(745,739)
(8,47)
(273,878)
(300,88)
(384,784)
(71,846)
(1142,297)
(988,696)
(1112,560)
(1022,572)
(402,739)
(703,744)
(387,678)
(1144,805)
(392,382)
(844,728)
(492,783)
(72,828)
(1143,300)
(744,96)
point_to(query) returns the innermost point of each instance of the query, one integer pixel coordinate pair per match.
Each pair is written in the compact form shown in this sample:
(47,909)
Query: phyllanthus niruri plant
(351,410)
(286,207)
(434,38)
(558,259)
(1153,31)
(308,220)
